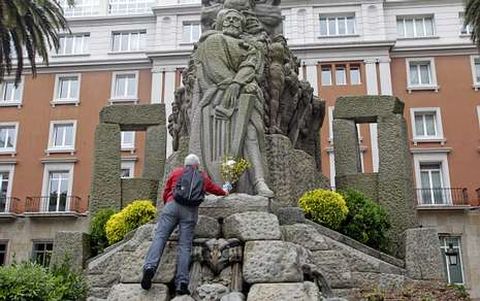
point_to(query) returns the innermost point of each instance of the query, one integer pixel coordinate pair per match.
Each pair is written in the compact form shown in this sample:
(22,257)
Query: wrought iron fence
(10,205)
(53,203)
(442,196)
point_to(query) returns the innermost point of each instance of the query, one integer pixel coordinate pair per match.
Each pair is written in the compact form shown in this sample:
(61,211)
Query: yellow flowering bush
(325,207)
(131,217)
(232,169)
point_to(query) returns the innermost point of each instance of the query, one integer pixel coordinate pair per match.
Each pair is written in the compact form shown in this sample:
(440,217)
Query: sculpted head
(231,22)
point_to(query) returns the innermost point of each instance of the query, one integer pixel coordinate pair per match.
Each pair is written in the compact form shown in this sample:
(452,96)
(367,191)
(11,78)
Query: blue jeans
(185,217)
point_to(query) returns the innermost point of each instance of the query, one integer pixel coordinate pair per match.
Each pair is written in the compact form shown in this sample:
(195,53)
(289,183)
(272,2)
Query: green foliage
(366,221)
(98,236)
(472,17)
(130,218)
(232,168)
(325,207)
(32,282)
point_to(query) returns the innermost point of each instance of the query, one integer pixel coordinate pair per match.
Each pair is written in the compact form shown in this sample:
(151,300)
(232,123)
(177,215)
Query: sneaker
(182,289)
(148,274)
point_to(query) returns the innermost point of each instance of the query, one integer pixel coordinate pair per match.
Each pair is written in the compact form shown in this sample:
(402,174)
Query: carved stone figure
(231,107)
(276,85)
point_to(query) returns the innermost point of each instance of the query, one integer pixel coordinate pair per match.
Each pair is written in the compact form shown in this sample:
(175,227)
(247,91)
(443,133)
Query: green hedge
(29,281)
(325,207)
(98,236)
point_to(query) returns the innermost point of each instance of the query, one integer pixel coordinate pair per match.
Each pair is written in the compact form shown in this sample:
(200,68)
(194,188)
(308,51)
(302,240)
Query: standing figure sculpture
(229,117)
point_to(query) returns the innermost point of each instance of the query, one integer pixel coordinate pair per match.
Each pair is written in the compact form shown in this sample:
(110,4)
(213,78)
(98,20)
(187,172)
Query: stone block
(212,291)
(335,267)
(106,185)
(73,246)
(271,261)
(290,215)
(221,207)
(304,291)
(347,152)
(155,152)
(130,292)
(139,189)
(235,296)
(134,117)
(306,236)
(365,183)
(248,226)
(366,109)
(423,258)
(183,298)
(206,227)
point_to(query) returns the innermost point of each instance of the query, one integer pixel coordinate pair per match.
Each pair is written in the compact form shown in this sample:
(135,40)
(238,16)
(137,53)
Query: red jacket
(208,185)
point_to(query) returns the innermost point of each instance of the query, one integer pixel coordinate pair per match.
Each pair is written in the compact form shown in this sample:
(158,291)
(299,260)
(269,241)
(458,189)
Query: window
(3,252)
(427,124)
(73,44)
(81,8)
(340,75)
(128,41)
(337,26)
(452,259)
(122,7)
(355,75)
(464,29)
(125,86)
(4,185)
(10,93)
(8,137)
(432,188)
(326,76)
(415,26)
(42,252)
(421,74)
(127,169)
(127,140)
(476,71)
(67,88)
(191,32)
(58,184)
(62,135)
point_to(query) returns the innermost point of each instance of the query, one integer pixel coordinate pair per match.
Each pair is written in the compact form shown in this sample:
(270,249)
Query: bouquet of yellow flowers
(232,169)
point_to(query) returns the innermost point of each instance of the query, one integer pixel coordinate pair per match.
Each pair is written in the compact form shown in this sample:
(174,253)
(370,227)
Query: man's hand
(231,95)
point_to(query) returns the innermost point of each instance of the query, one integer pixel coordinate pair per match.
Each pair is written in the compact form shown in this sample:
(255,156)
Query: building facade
(134,52)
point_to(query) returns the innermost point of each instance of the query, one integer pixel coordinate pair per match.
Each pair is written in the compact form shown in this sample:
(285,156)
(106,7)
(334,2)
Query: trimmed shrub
(325,207)
(367,221)
(98,237)
(32,282)
(130,218)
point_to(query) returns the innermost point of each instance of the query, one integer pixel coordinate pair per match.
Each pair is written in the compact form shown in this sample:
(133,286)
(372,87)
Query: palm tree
(30,25)
(472,17)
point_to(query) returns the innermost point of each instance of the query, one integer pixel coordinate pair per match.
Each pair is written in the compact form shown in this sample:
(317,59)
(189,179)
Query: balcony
(53,206)
(442,198)
(9,208)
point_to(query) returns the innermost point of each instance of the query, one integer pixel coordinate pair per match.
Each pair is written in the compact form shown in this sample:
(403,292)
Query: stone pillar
(423,258)
(106,184)
(155,149)
(347,152)
(71,246)
(385,76)
(395,182)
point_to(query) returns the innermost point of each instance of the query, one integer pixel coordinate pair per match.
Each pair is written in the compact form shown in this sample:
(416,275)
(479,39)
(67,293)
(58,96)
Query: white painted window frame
(330,124)
(468,28)
(439,137)
(444,247)
(142,34)
(114,98)
(475,84)
(442,158)
(345,15)
(190,24)
(330,70)
(402,18)
(82,37)
(350,67)
(56,149)
(128,164)
(7,248)
(13,150)
(20,87)
(49,167)
(433,74)
(59,101)
(125,146)
(10,168)
(345,82)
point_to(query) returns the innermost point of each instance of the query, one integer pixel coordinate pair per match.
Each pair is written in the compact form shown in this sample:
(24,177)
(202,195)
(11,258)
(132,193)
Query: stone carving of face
(232,24)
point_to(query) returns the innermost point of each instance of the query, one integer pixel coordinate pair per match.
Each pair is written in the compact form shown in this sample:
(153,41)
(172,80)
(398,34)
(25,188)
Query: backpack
(189,188)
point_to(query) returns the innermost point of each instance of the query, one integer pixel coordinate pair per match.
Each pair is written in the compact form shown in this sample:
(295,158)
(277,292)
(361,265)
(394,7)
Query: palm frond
(32,26)
(472,18)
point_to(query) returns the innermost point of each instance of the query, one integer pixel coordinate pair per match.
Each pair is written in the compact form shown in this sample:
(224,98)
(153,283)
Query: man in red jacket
(185,217)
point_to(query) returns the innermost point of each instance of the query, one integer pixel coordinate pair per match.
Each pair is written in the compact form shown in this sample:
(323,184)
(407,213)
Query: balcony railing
(53,204)
(442,197)
(10,205)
